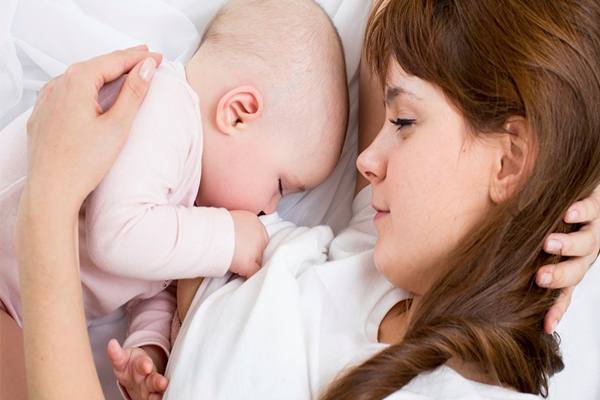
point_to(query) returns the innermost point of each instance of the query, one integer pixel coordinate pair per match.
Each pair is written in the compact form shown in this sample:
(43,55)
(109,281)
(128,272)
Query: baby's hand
(250,241)
(136,372)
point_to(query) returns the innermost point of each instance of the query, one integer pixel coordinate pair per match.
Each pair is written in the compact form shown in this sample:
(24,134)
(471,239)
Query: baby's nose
(272,206)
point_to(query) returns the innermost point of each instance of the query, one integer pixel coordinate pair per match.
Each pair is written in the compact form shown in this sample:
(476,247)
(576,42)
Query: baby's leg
(12,359)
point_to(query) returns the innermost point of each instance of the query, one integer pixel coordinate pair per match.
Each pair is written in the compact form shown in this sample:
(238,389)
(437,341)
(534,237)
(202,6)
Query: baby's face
(256,172)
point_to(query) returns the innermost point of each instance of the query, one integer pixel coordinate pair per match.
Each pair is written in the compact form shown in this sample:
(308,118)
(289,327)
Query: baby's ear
(237,108)
(515,159)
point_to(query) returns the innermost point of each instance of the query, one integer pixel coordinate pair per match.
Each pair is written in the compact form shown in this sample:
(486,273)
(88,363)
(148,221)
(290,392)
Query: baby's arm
(133,227)
(140,364)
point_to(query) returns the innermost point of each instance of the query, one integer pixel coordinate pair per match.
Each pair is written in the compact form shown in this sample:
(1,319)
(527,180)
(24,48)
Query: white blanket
(40,38)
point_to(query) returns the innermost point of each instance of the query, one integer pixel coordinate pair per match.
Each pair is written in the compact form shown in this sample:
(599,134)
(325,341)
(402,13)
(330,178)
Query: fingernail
(554,326)
(147,69)
(553,245)
(572,215)
(545,279)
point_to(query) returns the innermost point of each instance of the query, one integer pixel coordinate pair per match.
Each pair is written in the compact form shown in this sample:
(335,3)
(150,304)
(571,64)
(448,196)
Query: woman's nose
(371,164)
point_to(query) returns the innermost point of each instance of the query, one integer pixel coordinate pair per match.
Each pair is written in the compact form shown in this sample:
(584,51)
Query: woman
(60,225)
(513,73)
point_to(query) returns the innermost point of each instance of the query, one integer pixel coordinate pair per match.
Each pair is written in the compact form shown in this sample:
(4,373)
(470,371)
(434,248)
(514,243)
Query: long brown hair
(495,59)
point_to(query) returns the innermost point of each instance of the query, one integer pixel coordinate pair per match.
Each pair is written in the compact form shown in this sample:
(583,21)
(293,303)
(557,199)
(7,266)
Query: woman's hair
(495,59)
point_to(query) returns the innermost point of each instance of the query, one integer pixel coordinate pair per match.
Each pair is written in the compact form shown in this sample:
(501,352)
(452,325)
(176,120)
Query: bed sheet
(40,38)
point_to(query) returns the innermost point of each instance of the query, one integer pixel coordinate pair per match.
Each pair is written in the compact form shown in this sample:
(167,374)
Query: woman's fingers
(581,243)
(585,210)
(131,95)
(556,312)
(567,273)
(108,67)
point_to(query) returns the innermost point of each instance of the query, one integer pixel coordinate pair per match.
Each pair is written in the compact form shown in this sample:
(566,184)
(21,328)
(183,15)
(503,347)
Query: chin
(379,259)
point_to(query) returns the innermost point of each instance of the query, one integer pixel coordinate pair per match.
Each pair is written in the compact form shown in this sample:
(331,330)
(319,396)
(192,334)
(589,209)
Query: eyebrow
(391,92)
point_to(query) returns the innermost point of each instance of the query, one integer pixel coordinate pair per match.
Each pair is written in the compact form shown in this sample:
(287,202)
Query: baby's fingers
(156,383)
(117,356)
(142,367)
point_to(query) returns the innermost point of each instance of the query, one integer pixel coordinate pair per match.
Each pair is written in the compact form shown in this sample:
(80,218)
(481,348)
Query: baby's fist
(250,241)
(136,372)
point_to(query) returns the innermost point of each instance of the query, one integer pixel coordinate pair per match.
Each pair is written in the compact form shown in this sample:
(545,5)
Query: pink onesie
(139,229)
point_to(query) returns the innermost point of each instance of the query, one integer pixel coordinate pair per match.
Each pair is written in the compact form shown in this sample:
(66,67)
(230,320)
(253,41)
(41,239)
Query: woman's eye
(280,188)
(403,122)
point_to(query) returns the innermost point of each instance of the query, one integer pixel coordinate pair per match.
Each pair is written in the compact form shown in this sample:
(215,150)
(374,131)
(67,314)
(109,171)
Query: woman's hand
(582,248)
(71,145)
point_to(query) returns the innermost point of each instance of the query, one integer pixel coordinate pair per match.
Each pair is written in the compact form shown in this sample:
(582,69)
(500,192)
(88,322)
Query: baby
(259,111)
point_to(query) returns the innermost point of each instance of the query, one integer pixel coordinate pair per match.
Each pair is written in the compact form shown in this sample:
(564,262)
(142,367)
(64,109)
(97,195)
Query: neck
(394,325)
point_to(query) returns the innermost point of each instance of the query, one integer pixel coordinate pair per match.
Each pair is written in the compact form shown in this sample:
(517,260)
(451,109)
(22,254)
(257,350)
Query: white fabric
(39,38)
(287,331)
(444,383)
(290,329)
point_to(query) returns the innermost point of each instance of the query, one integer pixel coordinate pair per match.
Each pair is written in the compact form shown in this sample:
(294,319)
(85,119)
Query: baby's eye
(280,188)
(403,122)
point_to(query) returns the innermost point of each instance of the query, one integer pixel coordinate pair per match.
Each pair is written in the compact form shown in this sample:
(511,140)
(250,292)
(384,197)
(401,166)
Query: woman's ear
(237,108)
(515,159)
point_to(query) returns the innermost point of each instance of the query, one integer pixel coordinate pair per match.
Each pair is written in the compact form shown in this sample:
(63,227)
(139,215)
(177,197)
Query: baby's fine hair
(292,43)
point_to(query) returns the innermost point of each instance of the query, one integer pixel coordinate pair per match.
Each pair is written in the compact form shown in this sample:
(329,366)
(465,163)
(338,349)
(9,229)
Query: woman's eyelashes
(403,122)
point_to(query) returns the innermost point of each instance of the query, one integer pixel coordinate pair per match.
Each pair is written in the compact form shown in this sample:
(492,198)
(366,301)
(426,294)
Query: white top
(304,317)
(444,383)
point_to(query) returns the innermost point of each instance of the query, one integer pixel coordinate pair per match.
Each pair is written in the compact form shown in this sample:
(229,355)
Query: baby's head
(273,97)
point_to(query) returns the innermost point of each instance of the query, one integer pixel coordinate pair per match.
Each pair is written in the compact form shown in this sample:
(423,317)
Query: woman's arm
(55,332)
(71,146)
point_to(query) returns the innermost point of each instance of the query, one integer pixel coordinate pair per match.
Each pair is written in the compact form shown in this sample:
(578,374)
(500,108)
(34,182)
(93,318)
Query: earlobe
(514,160)
(238,108)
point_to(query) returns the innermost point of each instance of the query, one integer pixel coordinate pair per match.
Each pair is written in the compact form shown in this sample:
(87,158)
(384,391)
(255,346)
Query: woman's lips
(380,213)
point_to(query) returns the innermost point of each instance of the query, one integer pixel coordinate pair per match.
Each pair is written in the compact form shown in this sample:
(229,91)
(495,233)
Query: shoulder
(170,95)
(170,109)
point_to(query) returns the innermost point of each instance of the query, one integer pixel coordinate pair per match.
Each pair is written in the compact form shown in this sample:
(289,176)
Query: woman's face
(430,179)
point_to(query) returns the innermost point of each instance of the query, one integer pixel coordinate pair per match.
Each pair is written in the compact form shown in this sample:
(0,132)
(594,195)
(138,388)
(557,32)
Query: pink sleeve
(133,227)
(150,321)
(150,324)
